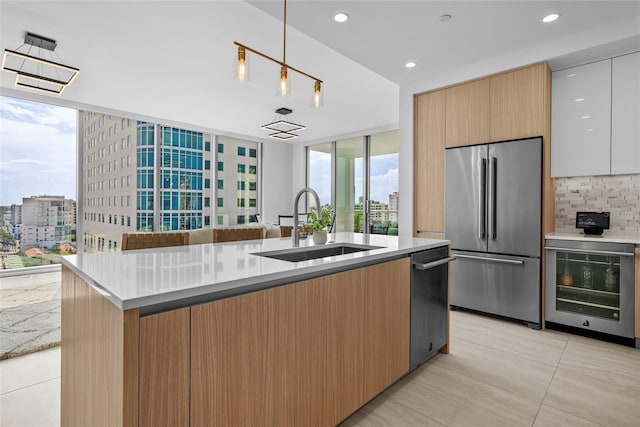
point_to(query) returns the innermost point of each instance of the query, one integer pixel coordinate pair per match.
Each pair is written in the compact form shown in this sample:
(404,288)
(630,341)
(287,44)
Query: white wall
(277,170)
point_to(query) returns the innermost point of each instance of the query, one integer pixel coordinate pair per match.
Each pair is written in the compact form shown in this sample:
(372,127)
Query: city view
(37,182)
(137,176)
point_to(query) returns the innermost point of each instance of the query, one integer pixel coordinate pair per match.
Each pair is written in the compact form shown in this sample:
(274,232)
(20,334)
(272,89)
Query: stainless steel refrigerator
(493,217)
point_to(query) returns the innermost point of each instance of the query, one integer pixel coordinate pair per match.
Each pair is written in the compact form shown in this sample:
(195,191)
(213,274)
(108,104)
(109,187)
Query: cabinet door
(287,356)
(468,109)
(243,364)
(428,163)
(625,114)
(165,368)
(329,336)
(581,120)
(386,321)
(517,103)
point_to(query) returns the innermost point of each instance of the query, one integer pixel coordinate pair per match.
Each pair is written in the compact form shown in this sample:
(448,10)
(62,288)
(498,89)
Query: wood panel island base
(307,353)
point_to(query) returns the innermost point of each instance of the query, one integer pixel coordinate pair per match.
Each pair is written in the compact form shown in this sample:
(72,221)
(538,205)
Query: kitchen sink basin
(315,252)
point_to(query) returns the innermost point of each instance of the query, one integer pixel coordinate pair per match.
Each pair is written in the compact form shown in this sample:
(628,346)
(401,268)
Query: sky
(37,150)
(384,176)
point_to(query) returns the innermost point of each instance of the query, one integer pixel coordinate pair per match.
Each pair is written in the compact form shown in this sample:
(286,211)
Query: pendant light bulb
(317,100)
(241,73)
(284,85)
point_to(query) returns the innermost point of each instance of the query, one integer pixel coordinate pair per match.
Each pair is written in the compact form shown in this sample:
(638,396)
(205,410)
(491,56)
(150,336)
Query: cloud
(37,150)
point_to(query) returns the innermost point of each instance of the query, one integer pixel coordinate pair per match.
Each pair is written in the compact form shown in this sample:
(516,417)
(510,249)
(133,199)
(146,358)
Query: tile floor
(497,374)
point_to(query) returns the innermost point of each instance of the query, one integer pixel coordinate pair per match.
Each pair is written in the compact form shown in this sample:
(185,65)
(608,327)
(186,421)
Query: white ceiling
(173,60)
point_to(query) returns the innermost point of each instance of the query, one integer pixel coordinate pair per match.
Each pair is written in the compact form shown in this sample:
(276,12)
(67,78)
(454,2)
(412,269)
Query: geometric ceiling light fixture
(36,71)
(284,83)
(283,129)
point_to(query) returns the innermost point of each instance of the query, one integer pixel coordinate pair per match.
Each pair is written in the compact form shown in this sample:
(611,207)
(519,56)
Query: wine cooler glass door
(590,288)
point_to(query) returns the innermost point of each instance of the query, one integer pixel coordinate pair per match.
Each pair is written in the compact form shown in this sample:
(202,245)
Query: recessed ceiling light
(571,75)
(341,17)
(589,130)
(445,17)
(586,117)
(578,100)
(550,18)
(410,64)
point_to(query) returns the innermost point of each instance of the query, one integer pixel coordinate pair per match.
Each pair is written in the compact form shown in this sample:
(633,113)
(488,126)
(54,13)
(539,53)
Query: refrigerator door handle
(482,258)
(493,204)
(482,208)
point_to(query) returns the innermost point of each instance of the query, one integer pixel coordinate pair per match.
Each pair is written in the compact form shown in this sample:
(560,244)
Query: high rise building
(393,207)
(236,181)
(139,176)
(46,221)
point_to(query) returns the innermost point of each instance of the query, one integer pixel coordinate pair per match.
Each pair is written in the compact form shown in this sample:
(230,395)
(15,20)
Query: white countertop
(148,277)
(633,238)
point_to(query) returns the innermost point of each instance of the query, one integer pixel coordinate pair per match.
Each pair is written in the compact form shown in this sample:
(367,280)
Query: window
(241,203)
(220,148)
(252,203)
(220,184)
(240,219)
(207,183)
(253,152)
(207,220)
(220,166)
(241,185)
(207,146)
(207,202)
(252,186)
(252,169)
(352,186)
(207,164)
(220,202)
(220,220)
(241,168)
(241,151)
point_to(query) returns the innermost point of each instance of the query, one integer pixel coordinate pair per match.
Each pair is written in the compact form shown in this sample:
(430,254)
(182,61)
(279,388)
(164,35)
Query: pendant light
(241,72)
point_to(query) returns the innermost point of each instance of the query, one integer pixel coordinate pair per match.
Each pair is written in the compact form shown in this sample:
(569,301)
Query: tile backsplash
(618,194)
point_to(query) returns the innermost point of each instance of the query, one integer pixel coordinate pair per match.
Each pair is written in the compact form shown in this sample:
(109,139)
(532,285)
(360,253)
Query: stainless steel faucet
(295,233)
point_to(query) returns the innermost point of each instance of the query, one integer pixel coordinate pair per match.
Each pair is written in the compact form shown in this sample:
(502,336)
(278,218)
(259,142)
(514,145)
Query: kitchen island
(216,335)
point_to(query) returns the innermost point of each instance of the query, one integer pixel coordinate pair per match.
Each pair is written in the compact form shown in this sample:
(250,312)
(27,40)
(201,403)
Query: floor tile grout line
(417,412)
(510,353)
(30,385)
(550,382)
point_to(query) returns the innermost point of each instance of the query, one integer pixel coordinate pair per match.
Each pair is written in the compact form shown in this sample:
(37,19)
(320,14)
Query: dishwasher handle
(429,265)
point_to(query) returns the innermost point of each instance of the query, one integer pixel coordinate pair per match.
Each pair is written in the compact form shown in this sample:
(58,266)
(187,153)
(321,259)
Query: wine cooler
(590,285)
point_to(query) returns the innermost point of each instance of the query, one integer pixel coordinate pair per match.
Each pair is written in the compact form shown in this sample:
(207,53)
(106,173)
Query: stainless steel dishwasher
(429,303)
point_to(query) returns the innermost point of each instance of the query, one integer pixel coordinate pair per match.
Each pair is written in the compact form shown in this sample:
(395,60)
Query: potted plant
(320,224)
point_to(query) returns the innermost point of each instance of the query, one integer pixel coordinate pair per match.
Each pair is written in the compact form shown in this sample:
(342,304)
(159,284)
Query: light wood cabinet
(301,354)
(428,164)
(239,349)
(625,114)
(308,353)
(511,105)
(386,316)
(518,107)
(467,113)
(165,358)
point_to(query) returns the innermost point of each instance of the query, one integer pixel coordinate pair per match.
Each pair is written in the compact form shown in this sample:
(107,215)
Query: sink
(315,252)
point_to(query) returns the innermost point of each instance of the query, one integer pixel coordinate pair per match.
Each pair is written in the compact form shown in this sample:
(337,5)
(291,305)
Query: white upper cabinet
(581,120)
(625,114)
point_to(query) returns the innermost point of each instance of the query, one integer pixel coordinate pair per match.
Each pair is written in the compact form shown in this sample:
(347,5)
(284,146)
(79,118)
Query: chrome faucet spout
(295,233)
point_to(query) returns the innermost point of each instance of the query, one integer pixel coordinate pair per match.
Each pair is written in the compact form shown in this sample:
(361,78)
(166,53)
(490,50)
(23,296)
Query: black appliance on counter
(593,223)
